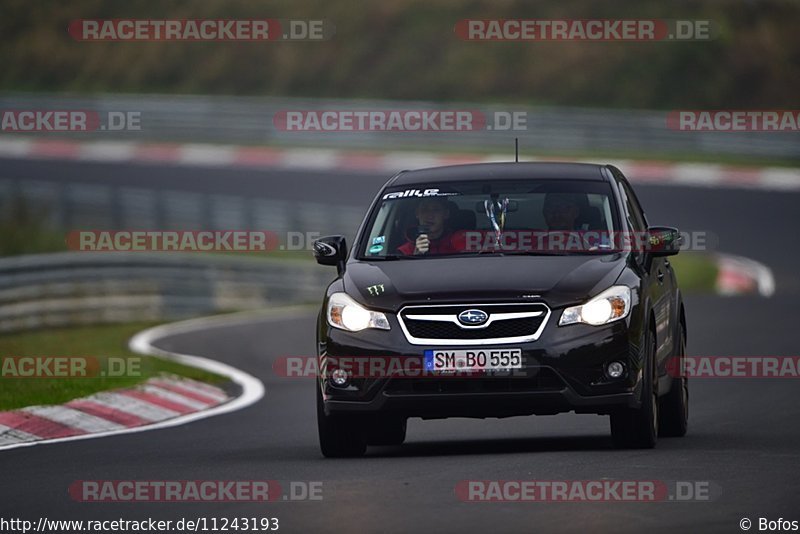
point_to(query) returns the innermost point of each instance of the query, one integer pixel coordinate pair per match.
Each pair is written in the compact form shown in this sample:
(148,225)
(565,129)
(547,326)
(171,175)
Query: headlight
(347,314)
(611,305)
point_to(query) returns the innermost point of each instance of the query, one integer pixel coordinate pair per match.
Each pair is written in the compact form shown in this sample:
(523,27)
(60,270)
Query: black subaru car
(498,290)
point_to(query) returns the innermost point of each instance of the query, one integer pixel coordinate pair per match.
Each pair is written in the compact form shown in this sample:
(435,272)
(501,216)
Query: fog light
(615,369)
(340,378)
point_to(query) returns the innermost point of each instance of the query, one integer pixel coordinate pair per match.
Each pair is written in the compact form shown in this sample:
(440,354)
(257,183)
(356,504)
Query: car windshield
(534,217)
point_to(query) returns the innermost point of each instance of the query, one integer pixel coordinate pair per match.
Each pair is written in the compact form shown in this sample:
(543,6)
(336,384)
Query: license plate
(473,359)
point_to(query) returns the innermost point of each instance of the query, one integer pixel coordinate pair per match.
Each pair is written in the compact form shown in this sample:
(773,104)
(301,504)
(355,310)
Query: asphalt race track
(744,436)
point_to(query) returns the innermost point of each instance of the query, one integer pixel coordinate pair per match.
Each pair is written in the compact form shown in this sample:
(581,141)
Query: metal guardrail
(70,205)
(248,120)
(71,288)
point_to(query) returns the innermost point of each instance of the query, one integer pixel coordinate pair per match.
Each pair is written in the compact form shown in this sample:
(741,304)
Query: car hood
(559,280)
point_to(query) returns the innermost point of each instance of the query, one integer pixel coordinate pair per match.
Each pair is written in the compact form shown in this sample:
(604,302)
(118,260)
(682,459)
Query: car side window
(632,208)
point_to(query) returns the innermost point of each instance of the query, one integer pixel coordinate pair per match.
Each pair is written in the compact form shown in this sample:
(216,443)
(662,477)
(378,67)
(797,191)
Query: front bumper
(439,405)
(563,371)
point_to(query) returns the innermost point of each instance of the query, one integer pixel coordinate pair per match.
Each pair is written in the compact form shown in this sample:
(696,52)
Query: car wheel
(340,436)
(387,431)
(674,406)
(637,428)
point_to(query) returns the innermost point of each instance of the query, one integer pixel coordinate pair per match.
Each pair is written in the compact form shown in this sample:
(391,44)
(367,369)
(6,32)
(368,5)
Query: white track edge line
(252,388)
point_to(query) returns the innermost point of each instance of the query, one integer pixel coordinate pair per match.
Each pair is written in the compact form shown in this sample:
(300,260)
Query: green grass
(23,231)
(101,342)
(293,255)
(696,272)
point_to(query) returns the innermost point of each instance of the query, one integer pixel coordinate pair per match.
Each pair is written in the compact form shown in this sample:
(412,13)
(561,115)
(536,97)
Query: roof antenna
(516,150)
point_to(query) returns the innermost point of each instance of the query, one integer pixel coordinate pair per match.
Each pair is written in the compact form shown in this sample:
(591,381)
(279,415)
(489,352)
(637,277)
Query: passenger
(561,211)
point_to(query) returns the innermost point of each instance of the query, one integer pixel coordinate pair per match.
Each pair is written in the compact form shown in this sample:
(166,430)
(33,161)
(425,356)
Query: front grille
(544,380)
(443,327)
(440,330)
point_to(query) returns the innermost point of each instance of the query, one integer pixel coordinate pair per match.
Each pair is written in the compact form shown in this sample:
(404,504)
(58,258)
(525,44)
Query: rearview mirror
(331,250)
(663,241)
(513,205)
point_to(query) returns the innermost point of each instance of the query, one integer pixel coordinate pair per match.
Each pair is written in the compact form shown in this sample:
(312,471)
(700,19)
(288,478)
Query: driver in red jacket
(432,214)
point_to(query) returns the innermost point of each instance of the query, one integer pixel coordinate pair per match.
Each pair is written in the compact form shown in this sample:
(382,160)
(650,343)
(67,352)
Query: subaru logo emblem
(324,249)
(473,317)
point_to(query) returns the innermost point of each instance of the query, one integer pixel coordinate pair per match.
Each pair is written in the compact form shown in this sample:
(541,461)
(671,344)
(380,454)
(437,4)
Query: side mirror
(331,250)
(663,241)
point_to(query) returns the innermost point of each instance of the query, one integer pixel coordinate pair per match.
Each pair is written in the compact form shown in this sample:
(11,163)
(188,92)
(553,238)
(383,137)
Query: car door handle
(660,276)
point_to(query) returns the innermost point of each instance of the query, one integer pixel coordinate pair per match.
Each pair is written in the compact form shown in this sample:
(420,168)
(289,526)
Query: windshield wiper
(536,253)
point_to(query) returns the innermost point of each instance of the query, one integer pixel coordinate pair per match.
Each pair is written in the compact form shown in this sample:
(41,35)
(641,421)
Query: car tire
(637,428)
(674,406)
(340,436)
(387,431)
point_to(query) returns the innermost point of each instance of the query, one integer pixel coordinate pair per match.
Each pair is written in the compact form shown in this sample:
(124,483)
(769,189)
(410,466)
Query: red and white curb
(161,402)
(743,276)
(156,400)
(388,162)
